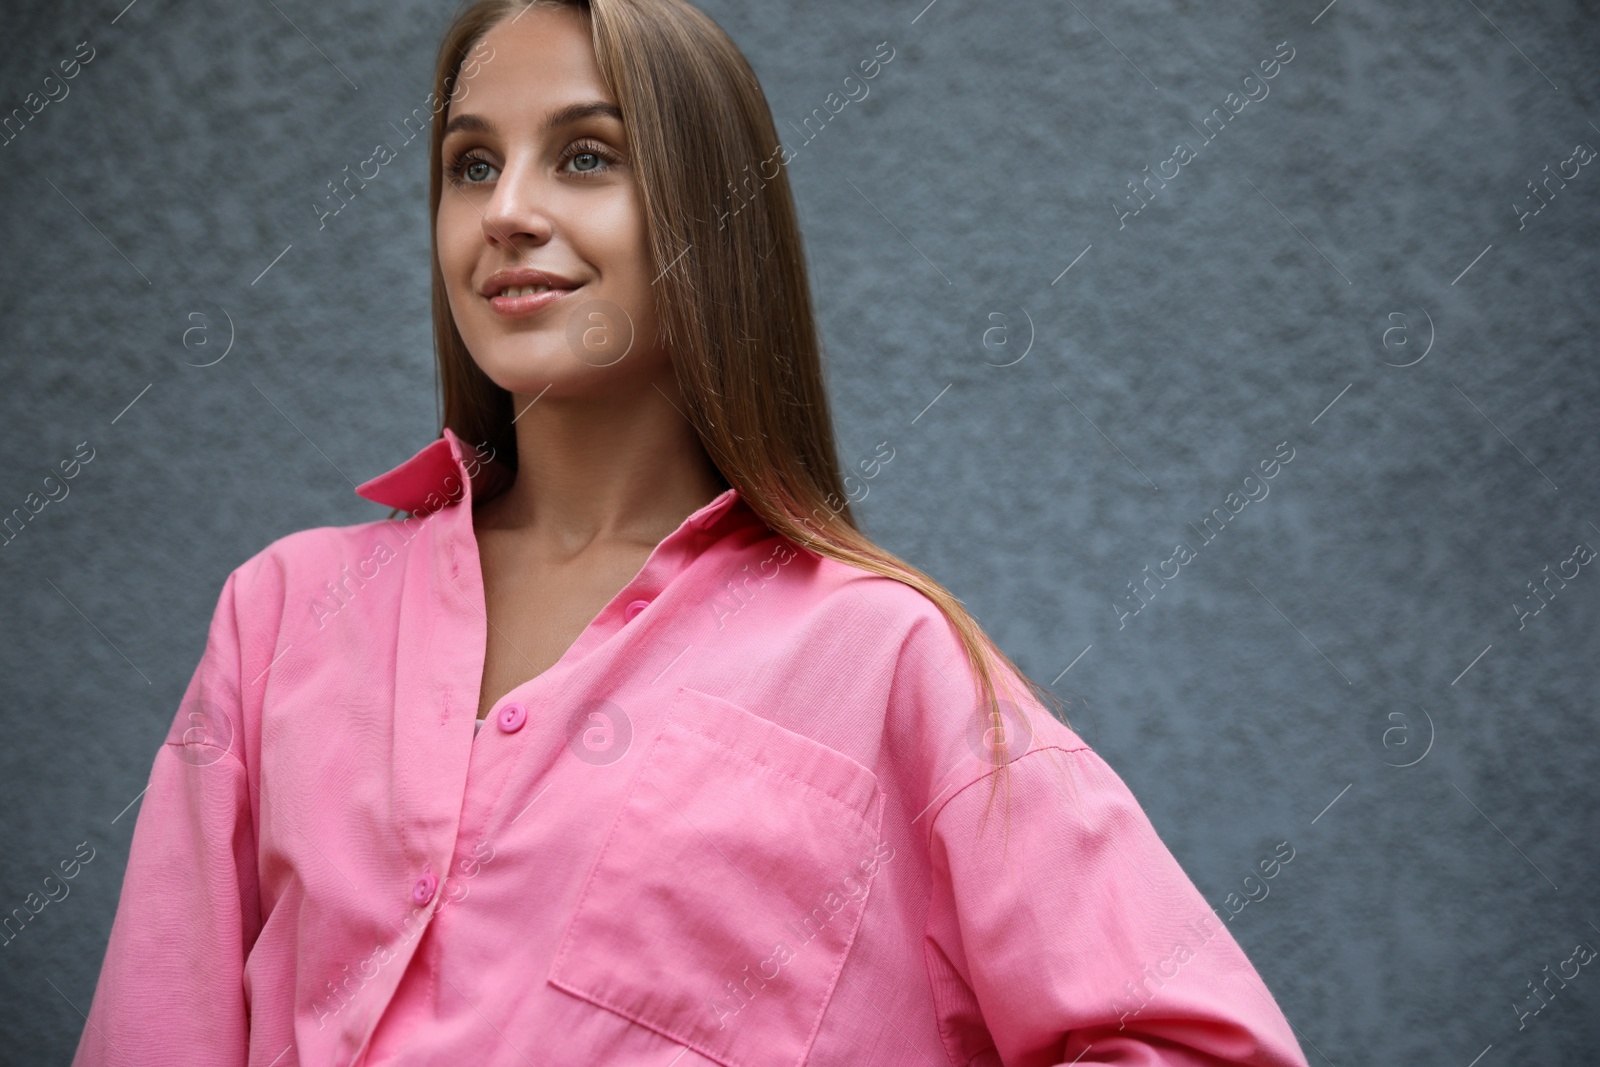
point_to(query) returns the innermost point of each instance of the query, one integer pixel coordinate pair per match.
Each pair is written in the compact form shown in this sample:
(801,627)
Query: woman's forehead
(532,63)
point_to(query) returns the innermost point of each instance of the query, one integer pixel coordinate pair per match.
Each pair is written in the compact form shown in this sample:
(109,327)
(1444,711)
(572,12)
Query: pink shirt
(745,820)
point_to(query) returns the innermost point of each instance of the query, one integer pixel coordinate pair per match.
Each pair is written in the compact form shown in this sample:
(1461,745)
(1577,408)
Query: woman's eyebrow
(574,112)
(560,117)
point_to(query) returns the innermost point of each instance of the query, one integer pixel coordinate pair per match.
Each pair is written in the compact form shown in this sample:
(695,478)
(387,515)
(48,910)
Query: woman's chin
(529,370)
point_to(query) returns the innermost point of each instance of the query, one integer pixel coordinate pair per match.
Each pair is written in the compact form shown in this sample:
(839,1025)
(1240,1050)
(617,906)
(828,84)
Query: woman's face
(539,191)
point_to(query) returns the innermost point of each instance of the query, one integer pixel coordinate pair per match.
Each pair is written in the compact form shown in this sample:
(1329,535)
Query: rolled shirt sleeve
(1063,930)
(171,988)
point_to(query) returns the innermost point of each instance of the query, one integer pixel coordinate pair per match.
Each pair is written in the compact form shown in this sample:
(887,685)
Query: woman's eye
(587,158)
(469,170)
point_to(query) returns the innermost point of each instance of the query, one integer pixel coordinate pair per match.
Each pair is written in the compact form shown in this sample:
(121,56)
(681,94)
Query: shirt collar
(437,477)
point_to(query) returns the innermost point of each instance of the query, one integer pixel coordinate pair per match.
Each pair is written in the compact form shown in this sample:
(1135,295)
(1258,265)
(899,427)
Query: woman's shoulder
(851,587)
(924,636)
(925,643)
(312,556)
(933,679)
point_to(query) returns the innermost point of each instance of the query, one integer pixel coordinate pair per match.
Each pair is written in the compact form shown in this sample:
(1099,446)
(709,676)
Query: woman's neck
(595,469)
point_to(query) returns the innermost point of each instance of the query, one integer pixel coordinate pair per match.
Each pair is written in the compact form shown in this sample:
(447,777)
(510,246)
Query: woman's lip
(516,307)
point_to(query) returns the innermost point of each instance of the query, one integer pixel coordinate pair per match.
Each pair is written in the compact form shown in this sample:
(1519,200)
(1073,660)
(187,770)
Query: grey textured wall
(1344,667)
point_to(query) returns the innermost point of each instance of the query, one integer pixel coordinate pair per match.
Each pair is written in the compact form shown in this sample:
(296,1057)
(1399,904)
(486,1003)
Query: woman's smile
(526,291)
(525,301)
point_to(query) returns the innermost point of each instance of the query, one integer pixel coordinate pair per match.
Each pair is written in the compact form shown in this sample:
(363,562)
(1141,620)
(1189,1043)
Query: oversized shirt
(752,817)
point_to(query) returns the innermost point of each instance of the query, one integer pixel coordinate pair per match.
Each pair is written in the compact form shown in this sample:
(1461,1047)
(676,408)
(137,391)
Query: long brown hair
(735,311)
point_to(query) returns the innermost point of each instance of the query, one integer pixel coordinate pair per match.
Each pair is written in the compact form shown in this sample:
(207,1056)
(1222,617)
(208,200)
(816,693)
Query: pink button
(422,892)
(633,609)
(511,717)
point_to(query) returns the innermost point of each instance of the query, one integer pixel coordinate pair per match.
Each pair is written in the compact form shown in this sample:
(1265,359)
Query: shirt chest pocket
(729,888)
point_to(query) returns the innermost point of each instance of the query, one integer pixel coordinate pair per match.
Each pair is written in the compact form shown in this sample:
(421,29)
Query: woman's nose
(516,213)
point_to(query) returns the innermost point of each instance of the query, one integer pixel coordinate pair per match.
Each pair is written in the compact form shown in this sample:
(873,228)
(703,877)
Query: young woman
(625,746)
